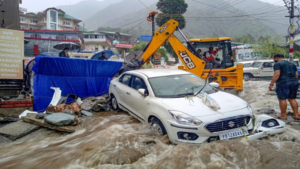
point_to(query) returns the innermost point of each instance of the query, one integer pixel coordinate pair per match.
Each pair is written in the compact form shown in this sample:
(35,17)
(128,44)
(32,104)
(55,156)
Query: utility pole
(291,31)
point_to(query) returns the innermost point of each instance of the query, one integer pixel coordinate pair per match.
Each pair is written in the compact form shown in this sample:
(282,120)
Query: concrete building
(51,19)
(96,41)
(11,14)
(48,28)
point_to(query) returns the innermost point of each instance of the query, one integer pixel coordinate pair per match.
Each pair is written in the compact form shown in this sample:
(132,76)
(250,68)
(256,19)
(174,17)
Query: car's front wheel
(247,76)
(114,103)
(157,127)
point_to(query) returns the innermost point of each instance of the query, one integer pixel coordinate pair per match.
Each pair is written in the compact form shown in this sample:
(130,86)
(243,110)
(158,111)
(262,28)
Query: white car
(245,63)
(169,101)
(261,69)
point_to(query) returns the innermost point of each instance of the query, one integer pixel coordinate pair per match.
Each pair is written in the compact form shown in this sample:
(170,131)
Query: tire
(247,76)
(157,127)
(114,103)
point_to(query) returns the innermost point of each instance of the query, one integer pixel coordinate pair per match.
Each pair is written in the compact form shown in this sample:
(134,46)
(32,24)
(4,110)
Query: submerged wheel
(114,103)
(247,76)
(157,127)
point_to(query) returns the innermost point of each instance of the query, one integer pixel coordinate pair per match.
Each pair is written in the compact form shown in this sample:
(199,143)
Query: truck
(226,74)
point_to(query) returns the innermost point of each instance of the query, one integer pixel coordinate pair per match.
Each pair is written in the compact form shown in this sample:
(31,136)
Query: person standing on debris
(135,58)
(64,53)
(102,57)
(148,65)
(285,76)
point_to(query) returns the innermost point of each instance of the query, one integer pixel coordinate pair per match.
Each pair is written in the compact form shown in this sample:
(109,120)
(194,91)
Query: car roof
(249,61)
(158,72)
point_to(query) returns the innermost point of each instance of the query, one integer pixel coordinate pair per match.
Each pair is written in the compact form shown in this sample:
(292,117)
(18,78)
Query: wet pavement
(117,140)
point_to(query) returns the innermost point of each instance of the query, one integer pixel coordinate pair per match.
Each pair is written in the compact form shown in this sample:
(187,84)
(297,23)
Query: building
(50,19)
(46,39)
(11,14)
(96,41)
(48,28)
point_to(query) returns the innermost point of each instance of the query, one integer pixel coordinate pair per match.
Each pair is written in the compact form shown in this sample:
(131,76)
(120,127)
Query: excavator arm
(166,32)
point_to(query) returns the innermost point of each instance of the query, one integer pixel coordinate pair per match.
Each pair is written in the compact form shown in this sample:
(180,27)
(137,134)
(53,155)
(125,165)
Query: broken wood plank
(30,118)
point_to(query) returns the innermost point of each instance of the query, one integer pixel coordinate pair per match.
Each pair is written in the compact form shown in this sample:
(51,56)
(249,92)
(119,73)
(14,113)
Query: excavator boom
(166,32)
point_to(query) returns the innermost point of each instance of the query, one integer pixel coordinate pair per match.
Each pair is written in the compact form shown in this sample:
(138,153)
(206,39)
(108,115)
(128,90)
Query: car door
(267,69)
(138,103)
(121,87)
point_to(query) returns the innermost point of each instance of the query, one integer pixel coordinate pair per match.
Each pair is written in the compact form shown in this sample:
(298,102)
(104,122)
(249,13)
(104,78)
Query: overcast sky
(39,5)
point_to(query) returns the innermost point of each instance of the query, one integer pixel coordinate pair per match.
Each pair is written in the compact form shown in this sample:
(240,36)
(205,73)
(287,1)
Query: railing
(95,40)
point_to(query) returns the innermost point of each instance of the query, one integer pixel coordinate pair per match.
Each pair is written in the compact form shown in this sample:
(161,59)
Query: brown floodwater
(117,140)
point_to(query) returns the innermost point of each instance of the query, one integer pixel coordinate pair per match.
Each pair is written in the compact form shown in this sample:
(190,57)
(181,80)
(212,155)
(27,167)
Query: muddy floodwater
(116,140)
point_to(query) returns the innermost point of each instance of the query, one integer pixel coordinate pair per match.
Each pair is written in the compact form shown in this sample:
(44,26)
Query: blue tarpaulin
(108,54)
(81,77)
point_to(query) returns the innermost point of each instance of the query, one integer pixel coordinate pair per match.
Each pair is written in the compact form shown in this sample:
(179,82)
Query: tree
(247,39)
(171,9)
(142,45)
(270,46)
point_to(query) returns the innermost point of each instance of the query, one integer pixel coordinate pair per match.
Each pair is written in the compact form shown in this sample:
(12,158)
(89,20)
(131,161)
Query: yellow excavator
(225,73)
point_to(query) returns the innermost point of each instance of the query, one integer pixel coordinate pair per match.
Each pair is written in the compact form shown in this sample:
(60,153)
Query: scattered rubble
(30,118)
(92,103)
(86,113)
(60,119)
(17,130)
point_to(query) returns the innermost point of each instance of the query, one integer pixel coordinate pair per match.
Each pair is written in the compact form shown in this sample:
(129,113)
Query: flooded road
(116,140)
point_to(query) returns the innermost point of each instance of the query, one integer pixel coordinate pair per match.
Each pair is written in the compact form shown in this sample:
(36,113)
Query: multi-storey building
(48,28)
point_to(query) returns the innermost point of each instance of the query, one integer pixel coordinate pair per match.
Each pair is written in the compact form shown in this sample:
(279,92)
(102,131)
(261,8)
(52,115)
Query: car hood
(194,106)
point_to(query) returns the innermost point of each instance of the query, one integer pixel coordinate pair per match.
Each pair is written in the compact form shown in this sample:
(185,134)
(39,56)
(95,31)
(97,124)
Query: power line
(131,23)
(144,5)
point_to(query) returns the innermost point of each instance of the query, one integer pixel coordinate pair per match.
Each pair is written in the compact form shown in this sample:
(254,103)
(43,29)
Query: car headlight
(185,119)
(250,109)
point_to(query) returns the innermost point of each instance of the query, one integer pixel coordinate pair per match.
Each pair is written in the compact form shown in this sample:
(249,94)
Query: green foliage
(171,9)
(270,46)
(163,53)
(247,39)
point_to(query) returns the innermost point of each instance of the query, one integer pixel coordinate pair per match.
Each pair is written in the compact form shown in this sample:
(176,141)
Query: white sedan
(180,104)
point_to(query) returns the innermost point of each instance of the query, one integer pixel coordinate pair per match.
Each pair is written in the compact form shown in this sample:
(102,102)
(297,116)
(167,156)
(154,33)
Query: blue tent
(108,54)
(81,77)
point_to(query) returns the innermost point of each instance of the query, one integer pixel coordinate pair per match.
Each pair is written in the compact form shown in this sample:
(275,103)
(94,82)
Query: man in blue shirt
(64,53)
(285,76)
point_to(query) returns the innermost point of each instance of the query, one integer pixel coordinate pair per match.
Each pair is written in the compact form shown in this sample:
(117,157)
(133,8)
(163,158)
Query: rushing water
(116,140)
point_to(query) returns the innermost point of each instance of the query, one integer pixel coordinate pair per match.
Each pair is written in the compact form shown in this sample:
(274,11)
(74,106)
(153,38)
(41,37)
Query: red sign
(120,45)
(108,42)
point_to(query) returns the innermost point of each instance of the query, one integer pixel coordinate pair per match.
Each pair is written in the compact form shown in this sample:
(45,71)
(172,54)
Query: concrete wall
(11,16)
(43,46)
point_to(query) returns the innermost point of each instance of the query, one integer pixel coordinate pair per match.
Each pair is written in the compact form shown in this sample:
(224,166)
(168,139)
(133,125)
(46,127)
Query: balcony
(95,40)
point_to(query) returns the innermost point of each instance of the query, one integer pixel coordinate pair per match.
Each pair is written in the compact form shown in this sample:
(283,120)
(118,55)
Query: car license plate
(233,134)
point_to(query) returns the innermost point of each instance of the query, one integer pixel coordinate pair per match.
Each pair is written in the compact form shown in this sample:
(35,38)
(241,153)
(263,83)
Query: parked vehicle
(168,100)
(263,68)
(245,63)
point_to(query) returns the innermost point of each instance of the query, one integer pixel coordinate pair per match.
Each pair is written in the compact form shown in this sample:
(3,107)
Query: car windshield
(256,64)
(176,86)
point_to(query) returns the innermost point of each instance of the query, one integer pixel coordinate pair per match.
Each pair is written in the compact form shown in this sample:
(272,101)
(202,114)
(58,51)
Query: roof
(92,33)
(64,15)
(210,39)
(59,10)
(110,32)
(159,72)
(81,28)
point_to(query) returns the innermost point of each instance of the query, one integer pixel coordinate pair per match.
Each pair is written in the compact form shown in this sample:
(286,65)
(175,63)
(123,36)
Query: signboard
(123,45)
(11,54)
(247,54)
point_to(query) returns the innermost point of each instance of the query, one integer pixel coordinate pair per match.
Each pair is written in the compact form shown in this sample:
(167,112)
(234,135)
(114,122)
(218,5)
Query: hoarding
(123,45)
(247,54)
(11,54)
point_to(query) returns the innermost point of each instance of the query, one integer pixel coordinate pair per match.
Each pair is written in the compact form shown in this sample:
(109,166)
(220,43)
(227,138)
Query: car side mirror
(214,84)
(142,92)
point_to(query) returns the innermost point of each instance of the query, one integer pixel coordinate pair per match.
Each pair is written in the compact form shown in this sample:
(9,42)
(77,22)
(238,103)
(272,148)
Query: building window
(22,19)
(68,23)
(35,35)
(53,26)
(34,21)
(53,16)
(61,37)
(86,36)
(22,27)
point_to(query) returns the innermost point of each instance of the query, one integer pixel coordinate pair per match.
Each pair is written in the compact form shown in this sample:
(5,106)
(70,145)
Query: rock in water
(86,113)
(60,119)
